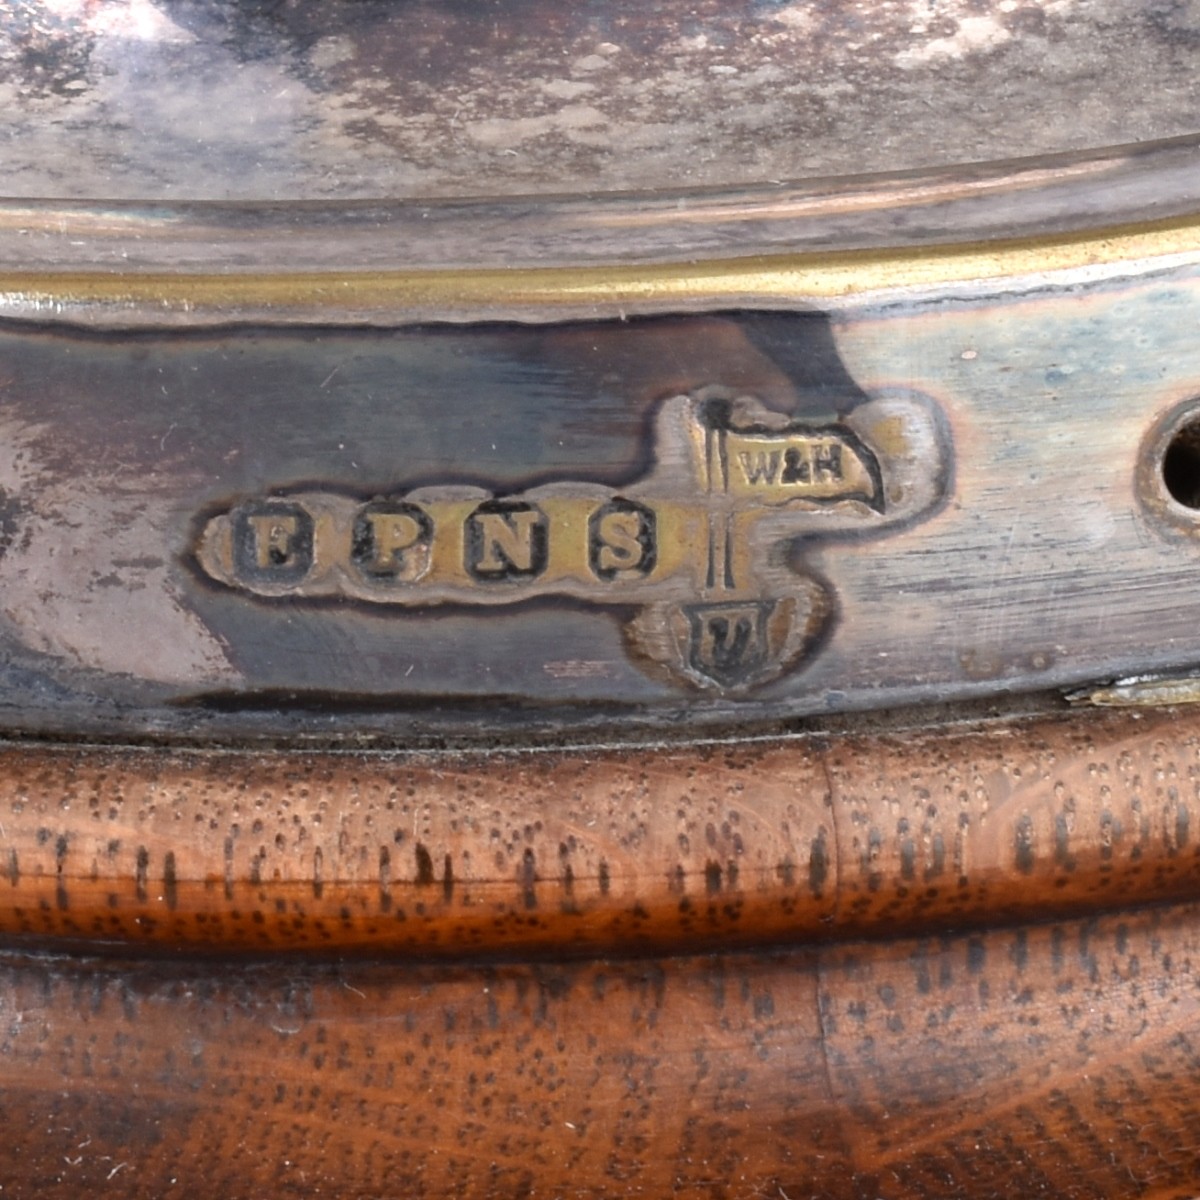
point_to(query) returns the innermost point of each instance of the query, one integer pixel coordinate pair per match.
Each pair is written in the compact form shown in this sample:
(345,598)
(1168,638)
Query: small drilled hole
(1181,465)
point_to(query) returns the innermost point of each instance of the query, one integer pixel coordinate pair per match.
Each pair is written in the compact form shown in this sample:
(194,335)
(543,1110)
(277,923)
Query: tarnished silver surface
(1034,542)
(969,207)
(421,370)
(314,99)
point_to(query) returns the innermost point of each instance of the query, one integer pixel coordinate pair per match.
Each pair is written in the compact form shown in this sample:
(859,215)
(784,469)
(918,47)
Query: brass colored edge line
(547,292)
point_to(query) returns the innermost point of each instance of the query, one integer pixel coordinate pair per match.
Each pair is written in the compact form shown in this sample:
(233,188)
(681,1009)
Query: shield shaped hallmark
(728,642)
(733,646)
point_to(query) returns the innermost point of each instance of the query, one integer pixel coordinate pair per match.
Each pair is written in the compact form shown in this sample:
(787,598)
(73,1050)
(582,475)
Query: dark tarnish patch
(818,863)
(142,873)
(870,860)
(318,883)
(1062,843)
(464,67)
(976,955)
(424,865)
(712,877)
(937,862)
(60,862)
(1058,953)
(920,965)
(228,864)
(48,53)
(385,879)
(1109,831)
(170,881)
(1019,952)
(1026,859)
(11,512)
(529,879)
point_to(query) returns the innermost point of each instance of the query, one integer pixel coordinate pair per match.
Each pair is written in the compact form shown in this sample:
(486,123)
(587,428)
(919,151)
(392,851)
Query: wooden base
(879,965)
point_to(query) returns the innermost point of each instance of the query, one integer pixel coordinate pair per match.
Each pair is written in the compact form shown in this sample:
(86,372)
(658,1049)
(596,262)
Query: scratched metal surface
(1038,557)
(223,99)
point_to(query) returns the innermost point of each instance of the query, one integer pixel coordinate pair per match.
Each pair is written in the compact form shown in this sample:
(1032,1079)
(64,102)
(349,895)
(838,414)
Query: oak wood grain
(605,851)
(953,963)
(1059,1060)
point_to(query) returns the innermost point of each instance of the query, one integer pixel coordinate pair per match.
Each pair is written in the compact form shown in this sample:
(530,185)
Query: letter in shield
(728,642)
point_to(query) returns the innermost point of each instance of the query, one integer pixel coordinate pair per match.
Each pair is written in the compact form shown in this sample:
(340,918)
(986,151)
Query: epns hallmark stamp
(699,547)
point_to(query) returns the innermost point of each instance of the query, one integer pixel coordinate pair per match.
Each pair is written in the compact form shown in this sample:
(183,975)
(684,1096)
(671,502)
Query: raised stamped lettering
(728,642)
(506,539)
(272,540)
(622,539)
(697,547)
(391,541)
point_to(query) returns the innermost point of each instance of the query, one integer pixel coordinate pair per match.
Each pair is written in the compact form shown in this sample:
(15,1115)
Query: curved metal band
(832,243)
